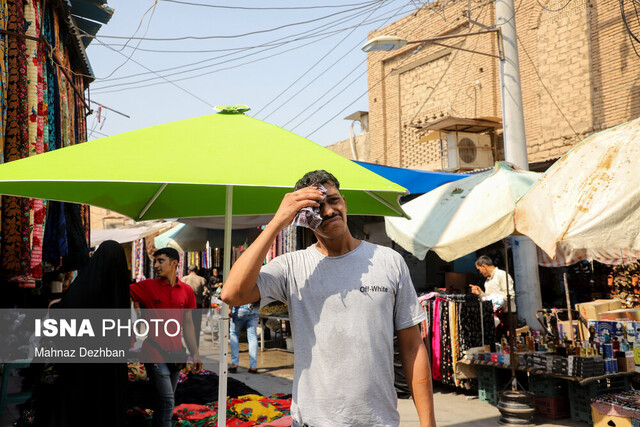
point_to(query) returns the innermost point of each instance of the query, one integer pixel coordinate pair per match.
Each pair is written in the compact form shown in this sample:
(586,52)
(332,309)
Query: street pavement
(275,375)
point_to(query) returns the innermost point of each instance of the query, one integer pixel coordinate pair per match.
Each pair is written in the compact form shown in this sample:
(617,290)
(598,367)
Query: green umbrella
(221,164)
(181,169)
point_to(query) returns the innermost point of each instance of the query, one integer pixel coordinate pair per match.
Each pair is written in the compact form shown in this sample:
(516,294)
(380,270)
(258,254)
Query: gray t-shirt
(343,311)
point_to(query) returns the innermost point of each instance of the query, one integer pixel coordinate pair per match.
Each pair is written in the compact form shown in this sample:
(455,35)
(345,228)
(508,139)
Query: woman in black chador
(90,393)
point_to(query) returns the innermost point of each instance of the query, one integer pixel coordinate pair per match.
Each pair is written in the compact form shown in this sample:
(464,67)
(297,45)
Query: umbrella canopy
(222,164)
(587,205)
(189,238)
(414,180)
(460,217)
(181,169)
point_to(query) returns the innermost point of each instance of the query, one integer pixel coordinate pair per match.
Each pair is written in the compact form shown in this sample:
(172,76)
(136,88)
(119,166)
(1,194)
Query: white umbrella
(588,203)
(463,216)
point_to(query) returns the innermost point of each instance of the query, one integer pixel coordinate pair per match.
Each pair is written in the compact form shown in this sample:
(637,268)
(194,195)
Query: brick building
(578,68)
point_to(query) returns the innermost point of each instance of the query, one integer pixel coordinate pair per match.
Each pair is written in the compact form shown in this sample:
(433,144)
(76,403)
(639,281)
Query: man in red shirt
(166,292)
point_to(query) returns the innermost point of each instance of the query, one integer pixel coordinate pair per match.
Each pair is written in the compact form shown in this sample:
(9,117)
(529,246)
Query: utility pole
(525,257)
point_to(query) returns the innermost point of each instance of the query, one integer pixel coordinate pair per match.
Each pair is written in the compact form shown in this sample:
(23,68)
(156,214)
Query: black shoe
(233,369)
(253,370)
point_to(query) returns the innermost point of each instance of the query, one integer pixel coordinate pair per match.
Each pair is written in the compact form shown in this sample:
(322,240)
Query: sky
(295,64)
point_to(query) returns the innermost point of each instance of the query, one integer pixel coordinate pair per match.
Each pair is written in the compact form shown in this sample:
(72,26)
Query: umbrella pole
(566,291)
(224,314)
(512,330)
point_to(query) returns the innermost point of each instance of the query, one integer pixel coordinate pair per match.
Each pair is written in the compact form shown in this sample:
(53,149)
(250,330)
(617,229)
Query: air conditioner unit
(469,151)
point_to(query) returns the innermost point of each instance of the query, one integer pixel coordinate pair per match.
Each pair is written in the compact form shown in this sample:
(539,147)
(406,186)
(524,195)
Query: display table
(540,371)
(556,396)
(264,317)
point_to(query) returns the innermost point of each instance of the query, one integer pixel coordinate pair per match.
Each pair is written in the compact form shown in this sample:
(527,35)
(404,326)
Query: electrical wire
(355,100)
(202,74)
(152,9)
(318,99)
(545,87)
(234,36)
(120,85)
(167,80)
(453,58)
(282,41)
(630,34)
(386,75)
(326,103)
(312,67)
(626,24)
(402,62)
(265,8)
(554,10)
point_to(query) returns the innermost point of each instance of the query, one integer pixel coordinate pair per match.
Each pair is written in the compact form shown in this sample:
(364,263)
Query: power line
(152,9)
(282,41)
(402,62)
(545,86)
(167,80)
(234,36)
(455,55)
(554,10)
(100,90)
(333,48)
(630,33)
(265,8)
(202,74)
(384,77)
(326,103)
(397,12)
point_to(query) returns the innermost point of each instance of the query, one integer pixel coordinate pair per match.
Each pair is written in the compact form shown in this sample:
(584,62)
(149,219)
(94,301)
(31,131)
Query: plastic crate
(580,396)
(580,411)
(544,386)
(554,408)
(598,387)
(491,381)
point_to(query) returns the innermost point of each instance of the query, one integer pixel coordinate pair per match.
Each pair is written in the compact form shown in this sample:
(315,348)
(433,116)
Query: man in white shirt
(495,285)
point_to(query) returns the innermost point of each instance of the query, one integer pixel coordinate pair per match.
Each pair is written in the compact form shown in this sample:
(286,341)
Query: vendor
(495,288)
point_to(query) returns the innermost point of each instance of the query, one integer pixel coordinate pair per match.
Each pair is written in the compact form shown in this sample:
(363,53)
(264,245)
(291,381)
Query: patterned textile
(255,408)
(52,103)
(4,81)
(446,367)
(192,412)
(15,213)
(454,325)
(455,343)
(470,330)
(36,124)
(138,260)
(436,343)
(137,372)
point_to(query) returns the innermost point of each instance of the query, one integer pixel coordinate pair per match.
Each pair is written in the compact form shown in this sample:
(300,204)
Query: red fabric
(159,294)
(193,412)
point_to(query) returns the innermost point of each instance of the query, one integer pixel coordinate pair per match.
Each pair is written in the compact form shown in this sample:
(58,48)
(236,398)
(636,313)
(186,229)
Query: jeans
(196,315)
(241,318)
(164,384)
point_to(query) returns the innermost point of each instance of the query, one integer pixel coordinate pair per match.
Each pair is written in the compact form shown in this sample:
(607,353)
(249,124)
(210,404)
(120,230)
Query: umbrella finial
(233,109)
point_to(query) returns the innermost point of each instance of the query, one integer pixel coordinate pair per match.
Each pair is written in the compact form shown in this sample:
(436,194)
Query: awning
(414,180)
(125,235)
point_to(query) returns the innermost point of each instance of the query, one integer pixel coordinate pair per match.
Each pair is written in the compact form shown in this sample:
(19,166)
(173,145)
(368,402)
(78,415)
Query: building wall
(578,69)
(102,219)
(362,148)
